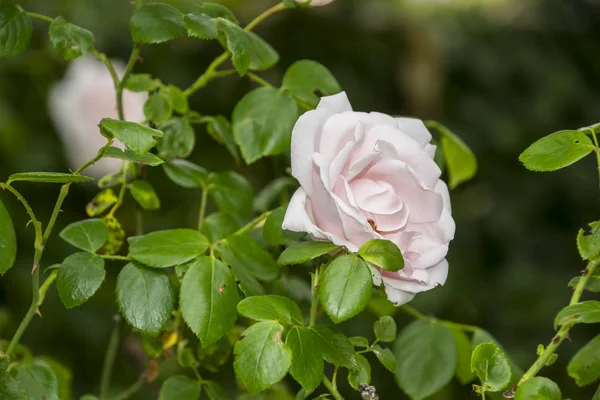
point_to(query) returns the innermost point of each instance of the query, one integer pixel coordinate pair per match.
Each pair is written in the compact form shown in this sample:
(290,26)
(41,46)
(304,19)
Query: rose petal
(425,205)
(416,129)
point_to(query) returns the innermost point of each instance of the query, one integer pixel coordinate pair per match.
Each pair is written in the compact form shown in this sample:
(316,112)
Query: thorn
(140,59)
(221,289)
(38,312)
(35,266)
(585,272)
(568,337)
(556,339)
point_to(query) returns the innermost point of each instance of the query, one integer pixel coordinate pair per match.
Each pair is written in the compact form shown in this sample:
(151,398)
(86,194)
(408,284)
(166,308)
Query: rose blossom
(315,3)
(78,103)
(369,175)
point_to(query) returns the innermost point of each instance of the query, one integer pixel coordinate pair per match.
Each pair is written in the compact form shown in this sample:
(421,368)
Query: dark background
(501,74)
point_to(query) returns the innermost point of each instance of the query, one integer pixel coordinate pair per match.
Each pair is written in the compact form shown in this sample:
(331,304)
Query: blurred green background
(500,73)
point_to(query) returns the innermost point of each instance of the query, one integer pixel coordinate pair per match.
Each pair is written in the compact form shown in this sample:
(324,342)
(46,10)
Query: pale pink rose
(366,176)
(315,3)
(78,103)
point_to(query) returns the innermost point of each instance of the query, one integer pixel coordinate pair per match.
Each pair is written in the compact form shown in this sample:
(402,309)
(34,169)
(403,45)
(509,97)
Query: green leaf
(48,177)
(426,357)
(178,140)
(219,225)
(79,277)
(142,83)
(38,382)
(385,329)
(361,375)
(482,336)
(167,248)
(383,253)
(464,349)
(586,312)
(359,341)
(267,196)
(584,367)
(491,366)
(232,193)
(178,99)
(144,195)
(244,252)
(180,387)
(201,26)
(345,289)
(136,137)
(262,123)
(219,129)
(308,81)
(63,375)
(307,361)
(556,151)
(8,240)
(305,251)
(336,347)
(271,308)
(273,233)
(458,157)
(216,391)
(145,297)
(15,29)
(208,300)
(70,41)
(9,387)
(215,10)
(101,202)
(248,50)
(126,154)
(593,283)
(538,388)
(186,174)
(386,357)
(262,359)
(156,23)
(589,245)
(158,108)
(88,235)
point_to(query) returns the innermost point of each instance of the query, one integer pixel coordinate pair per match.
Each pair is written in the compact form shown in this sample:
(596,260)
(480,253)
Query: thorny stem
(109,359)
(563,332)
(211,72)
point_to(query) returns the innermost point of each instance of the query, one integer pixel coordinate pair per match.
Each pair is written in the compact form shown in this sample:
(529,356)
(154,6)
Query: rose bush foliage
(233,293)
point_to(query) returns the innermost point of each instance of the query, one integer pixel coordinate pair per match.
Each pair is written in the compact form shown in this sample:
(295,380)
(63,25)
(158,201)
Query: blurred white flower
(78,103)
(315,3)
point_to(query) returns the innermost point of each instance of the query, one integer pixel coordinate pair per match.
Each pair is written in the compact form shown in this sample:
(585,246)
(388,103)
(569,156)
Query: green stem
(315,296)
(202,209)
(258,79)
(332,389)
(597,151)
(563,332)
(35,287)
(46,285)
(252,224)
(113,73)
(412,312)
(211,72)
(40,16)
(121,198)
(118,258)
(133,389)
(208,75)
(135,55)
(271,11)
(460,327)
(109,359)
(64,191)
(36,223)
